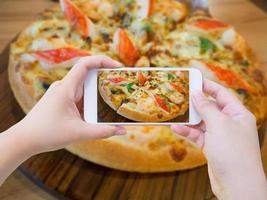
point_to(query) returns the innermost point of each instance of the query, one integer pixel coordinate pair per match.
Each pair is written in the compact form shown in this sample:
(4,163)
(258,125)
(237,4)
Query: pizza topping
(46,86)
(42,44)
(57,56)
(209,24)
(125,48)
(229,37)
(126,20)
(145,8)
(244,63)
(143,62)
(207,46)
(178,88)
(183,44)
(115,91)
(78,19)
(60,55)
(162,103)
(171,76)
(105,8)
(141,78)
(231,78)
(118,80)
(242,93)
(129,87)
(173,10)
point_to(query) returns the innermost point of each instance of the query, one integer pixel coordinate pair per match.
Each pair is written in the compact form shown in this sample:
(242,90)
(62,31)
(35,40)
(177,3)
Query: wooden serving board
(69,177)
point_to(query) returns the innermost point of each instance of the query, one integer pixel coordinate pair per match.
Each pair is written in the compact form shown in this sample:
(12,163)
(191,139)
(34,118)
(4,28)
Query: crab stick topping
(78,19)
(161,102)
(50,58)
(141,78)
(231,78)
(209,24)
(125,48)
(216,73)
(178,88)
(145,8)
(118,80)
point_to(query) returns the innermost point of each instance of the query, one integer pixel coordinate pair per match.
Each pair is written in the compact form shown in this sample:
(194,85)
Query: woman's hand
(229,138)
(56,120)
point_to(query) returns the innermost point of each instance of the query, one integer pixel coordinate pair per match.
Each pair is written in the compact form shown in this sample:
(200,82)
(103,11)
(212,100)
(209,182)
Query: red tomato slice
(60,55)
(208,24)
(162,103)
(141,78)
(232,79)
(126,50)
(117,80)
(76,17)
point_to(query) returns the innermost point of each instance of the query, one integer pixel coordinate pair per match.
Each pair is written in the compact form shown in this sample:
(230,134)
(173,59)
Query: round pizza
(146,96)
(138,33)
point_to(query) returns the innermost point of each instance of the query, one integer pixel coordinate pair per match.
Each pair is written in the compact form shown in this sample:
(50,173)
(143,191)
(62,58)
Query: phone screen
(143,96)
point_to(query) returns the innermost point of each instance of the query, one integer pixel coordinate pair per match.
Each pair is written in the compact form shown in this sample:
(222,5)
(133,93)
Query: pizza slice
(144,106)
(116,86)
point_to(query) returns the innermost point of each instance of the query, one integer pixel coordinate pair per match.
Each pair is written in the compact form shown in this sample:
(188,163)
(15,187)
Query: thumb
(92,131)
(207,109)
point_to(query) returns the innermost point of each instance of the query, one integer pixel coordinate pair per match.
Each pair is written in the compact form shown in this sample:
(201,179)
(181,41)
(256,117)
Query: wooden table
(248,19)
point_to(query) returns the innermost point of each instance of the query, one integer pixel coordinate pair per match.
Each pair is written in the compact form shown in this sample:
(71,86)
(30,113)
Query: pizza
(138,33)
(145,96)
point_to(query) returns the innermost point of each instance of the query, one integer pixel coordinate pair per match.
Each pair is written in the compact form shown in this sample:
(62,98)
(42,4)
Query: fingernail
(120,130)
(197,96)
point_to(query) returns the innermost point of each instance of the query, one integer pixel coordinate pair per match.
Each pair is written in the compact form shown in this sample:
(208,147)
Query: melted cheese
(184,44)
(42,44)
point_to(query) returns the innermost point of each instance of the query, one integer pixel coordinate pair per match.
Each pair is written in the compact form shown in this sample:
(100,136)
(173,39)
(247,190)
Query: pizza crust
(106,98)
(19,89)
(127,158)
(136,115)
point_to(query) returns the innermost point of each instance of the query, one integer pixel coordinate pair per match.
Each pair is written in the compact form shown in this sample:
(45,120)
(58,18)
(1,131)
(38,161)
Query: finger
(201,141)
(90,131)
(190,133)
(207,109)
(201,126)
(79,71)
(222,96)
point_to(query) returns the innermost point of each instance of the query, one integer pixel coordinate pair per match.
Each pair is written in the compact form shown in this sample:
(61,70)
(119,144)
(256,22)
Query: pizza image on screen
(137,33)
(144,96)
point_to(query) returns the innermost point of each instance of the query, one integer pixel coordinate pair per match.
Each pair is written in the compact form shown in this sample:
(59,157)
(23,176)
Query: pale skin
(55,121)
(229,138)
(228,133)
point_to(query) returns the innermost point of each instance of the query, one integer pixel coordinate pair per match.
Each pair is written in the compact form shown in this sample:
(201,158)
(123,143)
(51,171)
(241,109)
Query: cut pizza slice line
(78,19)
(125,48)
(59,58)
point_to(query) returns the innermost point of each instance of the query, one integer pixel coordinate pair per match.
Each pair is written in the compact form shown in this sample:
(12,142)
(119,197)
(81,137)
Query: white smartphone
(141,96)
